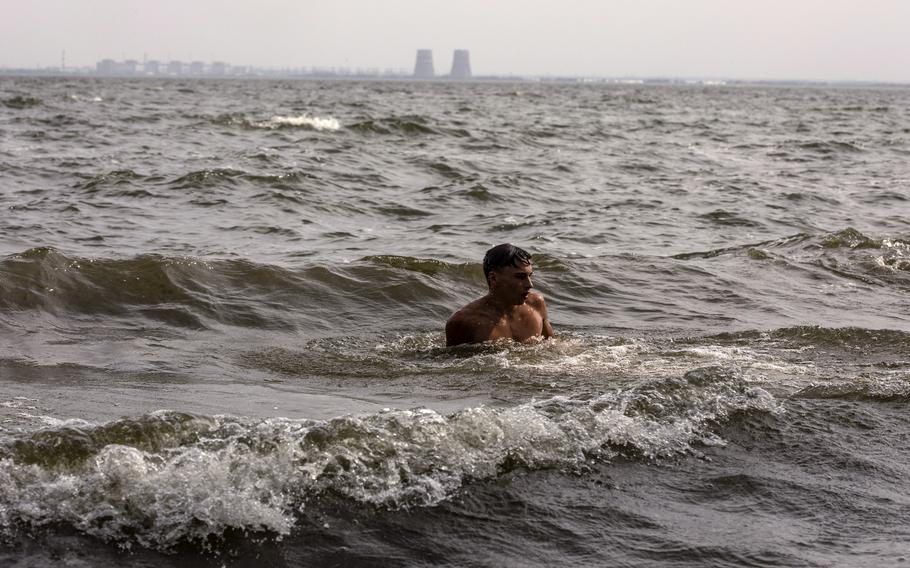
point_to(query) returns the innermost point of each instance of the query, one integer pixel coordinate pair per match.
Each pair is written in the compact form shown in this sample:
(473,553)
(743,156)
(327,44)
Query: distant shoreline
(267,75)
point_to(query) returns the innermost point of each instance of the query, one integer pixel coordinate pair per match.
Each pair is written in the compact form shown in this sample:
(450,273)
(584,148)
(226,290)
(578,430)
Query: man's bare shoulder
(477,308)
(464,325)
(536,301)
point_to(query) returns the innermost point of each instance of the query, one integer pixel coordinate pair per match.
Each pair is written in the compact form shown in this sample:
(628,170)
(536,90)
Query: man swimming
(509,310)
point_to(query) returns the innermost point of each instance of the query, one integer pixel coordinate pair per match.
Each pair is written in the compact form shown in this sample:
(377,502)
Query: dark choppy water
(221,307)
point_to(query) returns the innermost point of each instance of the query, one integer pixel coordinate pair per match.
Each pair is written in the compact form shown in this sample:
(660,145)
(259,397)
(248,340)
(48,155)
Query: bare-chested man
(509,310)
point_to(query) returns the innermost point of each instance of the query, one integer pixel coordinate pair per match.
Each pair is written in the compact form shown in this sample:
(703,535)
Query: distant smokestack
(423,68)
(461,64)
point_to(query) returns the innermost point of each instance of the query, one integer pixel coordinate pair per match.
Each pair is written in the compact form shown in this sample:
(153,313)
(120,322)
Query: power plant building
(461,64)
(423,68)
(106,67)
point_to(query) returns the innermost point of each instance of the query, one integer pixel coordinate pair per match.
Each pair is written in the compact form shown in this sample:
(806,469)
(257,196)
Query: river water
(221,312)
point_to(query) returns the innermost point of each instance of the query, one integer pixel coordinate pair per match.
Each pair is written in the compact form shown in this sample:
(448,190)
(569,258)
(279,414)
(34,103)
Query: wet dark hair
(504,255)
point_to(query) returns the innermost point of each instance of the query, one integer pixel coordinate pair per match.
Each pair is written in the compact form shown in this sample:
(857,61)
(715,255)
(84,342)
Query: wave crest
(410,125)
(277,121)
(21,102)
(165,478)
(301,121)
(183,291)
(865,389)
(200,293)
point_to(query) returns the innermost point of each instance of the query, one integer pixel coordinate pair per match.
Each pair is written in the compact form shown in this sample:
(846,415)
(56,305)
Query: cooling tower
(461,64)
(423,69)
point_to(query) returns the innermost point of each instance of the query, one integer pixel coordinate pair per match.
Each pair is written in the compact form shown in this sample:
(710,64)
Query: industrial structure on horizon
(423,67)
(461,65)
(422,70)
(154,68)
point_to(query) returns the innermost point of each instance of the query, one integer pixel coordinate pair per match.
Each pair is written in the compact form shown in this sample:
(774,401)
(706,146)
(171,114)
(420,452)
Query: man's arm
(541,306)
(547,329)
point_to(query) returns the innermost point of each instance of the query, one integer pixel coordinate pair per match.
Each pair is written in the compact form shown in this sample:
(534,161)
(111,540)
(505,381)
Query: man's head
(508,271)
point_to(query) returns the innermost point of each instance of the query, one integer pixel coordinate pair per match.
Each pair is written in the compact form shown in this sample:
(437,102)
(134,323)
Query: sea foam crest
(164,478)
(897,255)
(304,121)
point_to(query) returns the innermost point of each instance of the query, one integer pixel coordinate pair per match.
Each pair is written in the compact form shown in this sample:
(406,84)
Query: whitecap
(303,121)
(192,479)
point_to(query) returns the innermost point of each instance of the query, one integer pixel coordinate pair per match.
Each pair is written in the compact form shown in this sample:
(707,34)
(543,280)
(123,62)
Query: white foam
(584,361)
(896,245)
(20,402)
(897,256)
(254,475)
(304,120)
(85,98)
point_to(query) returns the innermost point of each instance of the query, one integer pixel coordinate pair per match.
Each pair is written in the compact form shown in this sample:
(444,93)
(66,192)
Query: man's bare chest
(519,327)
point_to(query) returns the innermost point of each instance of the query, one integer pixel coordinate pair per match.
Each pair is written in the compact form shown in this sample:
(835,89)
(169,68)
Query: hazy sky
(762,39)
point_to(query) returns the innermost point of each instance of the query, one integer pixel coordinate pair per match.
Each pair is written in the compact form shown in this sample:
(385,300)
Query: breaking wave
(278,121)
(304,121)
(167,478)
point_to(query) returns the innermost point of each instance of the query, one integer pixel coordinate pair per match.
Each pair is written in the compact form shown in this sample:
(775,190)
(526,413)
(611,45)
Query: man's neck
(499,305)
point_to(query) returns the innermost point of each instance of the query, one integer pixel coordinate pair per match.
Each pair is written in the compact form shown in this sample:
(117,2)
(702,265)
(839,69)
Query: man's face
(512,283)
